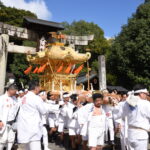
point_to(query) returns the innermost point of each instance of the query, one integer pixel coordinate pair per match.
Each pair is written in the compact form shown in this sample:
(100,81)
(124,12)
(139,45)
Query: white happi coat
(96,128)
(50,110)
(124,126)
(108,110)
(19,100)
(72,117)
(109,121)
(29,123)
(8,109)
(63,115)
(138,117)
(53,115)
(84,115)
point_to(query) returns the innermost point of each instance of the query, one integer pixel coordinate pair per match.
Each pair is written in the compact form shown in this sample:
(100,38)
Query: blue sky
(110,15)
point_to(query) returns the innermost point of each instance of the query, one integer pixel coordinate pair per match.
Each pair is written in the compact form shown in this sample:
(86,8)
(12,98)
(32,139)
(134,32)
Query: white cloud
(108,37)
(36,6)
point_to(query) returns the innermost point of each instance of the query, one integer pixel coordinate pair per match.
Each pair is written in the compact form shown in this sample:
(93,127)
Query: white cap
(26,90)
(20,92)
(141,91)
(11,81)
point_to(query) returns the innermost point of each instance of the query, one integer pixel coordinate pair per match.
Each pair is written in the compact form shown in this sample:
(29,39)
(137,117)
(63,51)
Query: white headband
(20,92)
(131,92)
(89,95)
(42,93)
(141,91)
(26,90)
(66,95)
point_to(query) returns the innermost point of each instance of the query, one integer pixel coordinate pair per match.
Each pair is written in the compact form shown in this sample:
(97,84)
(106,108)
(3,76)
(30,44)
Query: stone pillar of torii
(23,33)
(5,47)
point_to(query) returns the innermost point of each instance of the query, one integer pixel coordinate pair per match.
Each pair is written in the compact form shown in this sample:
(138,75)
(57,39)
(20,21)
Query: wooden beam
(21,49)
(18,32)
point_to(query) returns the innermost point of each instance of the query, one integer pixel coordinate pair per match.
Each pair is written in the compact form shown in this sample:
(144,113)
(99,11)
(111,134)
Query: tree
(147,1)
(97,47)
(13,15)
(17,63)
(129,59)
(18,67)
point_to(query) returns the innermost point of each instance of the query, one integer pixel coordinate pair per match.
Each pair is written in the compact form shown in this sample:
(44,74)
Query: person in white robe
(96,124)
(43,95)
(137,111)
(52,117)
(29,122)
(121,124)
(108,108)
(8,111)
(20,95)
(72,122)
(83,118)
(50,108)
(63,117)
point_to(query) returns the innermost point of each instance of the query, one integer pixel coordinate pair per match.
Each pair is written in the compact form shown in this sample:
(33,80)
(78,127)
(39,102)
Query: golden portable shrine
(56,64)
(57,67)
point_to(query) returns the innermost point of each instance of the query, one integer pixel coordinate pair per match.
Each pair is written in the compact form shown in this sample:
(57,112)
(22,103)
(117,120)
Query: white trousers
(123,140)
(74,131)
(34,145)
(110,127)
(138,144)
(51,122)
(7,138)
(124,145)
(61,127)
(95,137)
(45,138)
(8,146)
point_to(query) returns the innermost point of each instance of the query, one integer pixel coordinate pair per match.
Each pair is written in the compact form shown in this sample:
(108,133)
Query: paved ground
(52,146)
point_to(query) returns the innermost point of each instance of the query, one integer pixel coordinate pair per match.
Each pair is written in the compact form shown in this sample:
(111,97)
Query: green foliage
(1,5)
(18,66)
(129,59)
(111,79)
(29,43)
(13,15)
(147,1)
(97,47)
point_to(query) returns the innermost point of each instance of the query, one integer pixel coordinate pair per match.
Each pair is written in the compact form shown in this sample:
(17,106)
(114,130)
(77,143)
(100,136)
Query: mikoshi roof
(42,25)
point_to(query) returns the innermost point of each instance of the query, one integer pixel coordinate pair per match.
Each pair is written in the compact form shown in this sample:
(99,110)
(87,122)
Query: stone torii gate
(5,47)
(35,29)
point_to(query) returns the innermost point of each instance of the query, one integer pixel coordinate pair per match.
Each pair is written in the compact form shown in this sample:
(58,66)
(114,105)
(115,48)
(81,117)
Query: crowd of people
(35,118)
